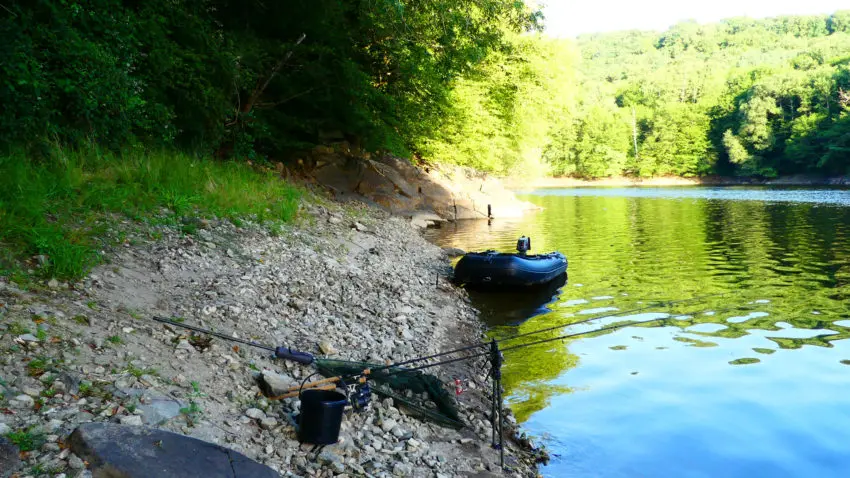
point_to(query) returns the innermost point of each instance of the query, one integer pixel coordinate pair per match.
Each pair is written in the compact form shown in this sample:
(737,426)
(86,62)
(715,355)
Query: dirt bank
(346,282)
(424,194)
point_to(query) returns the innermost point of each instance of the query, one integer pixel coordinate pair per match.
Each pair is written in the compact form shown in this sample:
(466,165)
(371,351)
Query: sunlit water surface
(751,383)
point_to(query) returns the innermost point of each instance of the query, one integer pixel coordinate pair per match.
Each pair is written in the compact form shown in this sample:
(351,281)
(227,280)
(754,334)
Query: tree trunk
(634,132)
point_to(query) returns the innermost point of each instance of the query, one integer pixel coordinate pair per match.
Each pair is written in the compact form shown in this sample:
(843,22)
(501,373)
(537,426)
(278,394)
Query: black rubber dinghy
(491,269)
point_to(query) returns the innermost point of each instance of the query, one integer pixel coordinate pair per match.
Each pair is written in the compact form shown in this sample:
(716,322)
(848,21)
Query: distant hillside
(743,97)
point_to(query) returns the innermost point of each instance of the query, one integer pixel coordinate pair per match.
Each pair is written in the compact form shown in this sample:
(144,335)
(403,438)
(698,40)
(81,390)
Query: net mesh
(403,387)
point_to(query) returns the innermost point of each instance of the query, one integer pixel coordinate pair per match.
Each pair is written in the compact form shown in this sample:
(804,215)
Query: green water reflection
(783,269)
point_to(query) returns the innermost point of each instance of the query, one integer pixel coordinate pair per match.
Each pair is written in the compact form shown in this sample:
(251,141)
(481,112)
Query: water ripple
(751,383)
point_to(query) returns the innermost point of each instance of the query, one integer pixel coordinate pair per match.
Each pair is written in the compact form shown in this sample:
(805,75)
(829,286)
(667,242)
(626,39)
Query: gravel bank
(350,283)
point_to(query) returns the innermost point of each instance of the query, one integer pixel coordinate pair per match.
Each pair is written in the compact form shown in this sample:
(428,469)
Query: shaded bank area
(567,182)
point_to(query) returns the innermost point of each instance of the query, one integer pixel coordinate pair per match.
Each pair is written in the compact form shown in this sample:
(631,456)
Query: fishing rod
(632,311)
(520,346)
(547,329)
(280,352)
(306,358)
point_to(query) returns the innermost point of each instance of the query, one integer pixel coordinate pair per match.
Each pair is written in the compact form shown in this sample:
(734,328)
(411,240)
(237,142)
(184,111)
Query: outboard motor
(523,245)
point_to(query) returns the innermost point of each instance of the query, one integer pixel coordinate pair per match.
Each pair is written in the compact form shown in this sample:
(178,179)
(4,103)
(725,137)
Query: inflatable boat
(491,269)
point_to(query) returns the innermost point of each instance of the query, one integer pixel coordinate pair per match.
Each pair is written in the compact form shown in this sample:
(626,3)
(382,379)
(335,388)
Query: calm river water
(751,383)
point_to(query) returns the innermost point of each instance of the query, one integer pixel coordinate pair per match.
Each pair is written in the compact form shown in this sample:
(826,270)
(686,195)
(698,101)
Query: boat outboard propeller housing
(523,245)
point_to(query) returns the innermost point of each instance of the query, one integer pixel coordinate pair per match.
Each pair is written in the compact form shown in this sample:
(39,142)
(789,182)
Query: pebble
(402,469)
(131,420)
(327,348)
(24,401)
(268,423)
(31,391)
(413,443)
(388,424)
(255,413)
(75,463)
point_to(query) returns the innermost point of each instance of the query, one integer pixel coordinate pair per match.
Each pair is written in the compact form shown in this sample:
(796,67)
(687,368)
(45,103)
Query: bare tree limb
(285,100)
(258,91)
(844,97)
(7,9)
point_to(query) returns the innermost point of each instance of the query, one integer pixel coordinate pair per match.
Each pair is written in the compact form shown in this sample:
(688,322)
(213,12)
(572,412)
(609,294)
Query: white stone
(255,413)
(132,420)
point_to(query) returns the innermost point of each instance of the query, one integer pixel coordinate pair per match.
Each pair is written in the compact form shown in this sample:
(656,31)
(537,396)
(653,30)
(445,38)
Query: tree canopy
(743,97)
(242,78)
(446,81)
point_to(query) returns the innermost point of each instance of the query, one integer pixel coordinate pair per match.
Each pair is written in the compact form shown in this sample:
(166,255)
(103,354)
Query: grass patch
(37,366)
(97,390)
(62,207)
(193,412)
(138,372)
(18,329)
(114,339)
(85,388)
(41,334)
(27,439)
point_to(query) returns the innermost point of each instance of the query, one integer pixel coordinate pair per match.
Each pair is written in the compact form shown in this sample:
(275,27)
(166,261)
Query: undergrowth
(61,208)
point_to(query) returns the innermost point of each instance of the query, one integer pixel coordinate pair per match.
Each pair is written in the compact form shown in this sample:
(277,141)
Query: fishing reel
(359,396)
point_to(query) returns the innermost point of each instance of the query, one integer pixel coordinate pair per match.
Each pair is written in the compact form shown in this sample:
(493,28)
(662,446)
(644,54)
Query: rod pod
(497,411)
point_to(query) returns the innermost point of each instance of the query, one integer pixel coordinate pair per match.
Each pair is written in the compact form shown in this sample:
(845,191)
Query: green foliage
(193,412)
(500,113)
(37,366)
(58,208)
(27,439)
(245,79)
(744,97)
(138,372)
(446,81)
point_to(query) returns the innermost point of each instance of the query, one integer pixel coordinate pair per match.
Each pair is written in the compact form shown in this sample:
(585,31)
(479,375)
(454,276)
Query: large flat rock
(10,462)
(120,451)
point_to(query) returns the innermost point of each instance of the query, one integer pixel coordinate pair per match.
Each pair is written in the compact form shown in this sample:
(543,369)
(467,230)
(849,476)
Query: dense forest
(743,97)
(445,81)
(243,79)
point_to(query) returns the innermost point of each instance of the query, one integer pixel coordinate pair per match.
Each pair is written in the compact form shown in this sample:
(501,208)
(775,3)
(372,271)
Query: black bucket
(321,416)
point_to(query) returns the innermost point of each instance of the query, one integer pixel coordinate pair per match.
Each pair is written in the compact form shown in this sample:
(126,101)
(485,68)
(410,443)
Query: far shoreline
(621,181)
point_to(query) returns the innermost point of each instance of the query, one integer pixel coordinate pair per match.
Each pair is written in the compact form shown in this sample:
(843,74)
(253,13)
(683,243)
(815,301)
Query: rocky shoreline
(349,282)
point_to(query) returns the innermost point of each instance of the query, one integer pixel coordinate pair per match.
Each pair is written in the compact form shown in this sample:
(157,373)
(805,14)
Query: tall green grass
(61,208)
